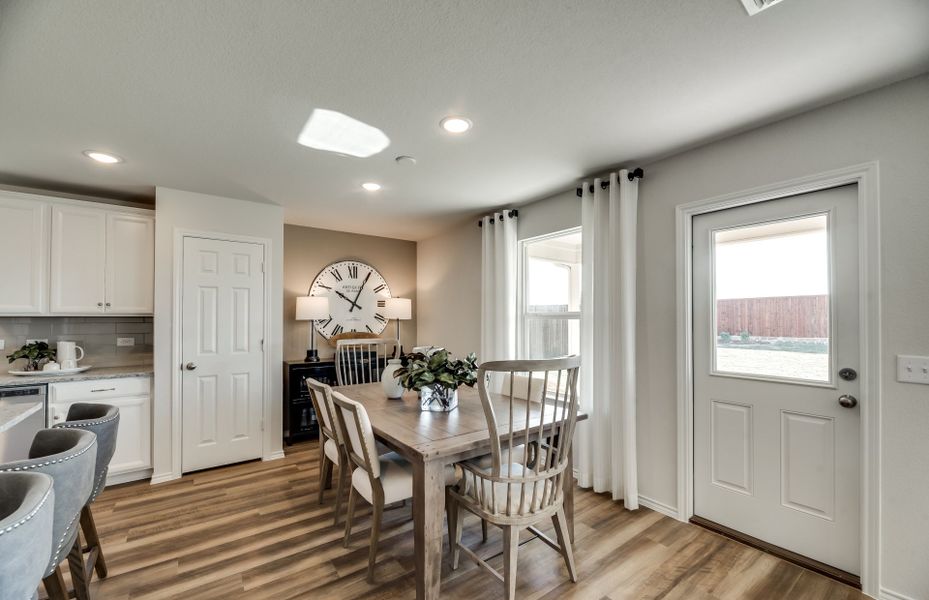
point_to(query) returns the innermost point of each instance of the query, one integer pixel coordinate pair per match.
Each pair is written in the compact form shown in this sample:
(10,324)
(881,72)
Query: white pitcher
(68,354)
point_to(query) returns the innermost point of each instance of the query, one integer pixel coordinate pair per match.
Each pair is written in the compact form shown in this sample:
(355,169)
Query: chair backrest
(103,420)
(69,457)
(548,419)
(321,396)
(356,360)
(27,508)
(426,350)
(358,434)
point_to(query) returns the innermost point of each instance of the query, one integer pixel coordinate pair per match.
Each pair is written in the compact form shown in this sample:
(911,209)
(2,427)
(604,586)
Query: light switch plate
(913,369)
(126,341)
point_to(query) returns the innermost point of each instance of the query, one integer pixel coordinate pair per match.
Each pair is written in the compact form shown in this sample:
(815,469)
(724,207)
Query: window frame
(522,309)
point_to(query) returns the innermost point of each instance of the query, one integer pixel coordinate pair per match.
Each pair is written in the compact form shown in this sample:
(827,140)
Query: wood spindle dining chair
(520,489)
(357,360)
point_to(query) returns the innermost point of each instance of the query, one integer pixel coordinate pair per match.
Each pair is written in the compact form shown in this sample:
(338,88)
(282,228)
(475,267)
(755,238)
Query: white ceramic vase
(389,382)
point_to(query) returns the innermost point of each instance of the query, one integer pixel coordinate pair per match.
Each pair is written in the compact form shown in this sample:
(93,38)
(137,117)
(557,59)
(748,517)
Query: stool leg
(76,566)
(55,585)
(89,527)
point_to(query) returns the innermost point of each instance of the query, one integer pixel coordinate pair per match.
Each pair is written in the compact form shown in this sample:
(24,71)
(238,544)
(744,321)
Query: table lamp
(400,309)
(312,308)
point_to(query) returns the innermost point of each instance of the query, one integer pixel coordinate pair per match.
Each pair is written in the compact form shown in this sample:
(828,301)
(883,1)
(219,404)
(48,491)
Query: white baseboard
(127,477)
(274,456)
(164,478)
(658,506)
(886,594)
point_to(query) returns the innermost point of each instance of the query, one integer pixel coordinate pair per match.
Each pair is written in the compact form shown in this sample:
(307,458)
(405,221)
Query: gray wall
(890,125)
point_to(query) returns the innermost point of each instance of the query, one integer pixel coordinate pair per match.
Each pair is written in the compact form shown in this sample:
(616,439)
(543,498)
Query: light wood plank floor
(255,531)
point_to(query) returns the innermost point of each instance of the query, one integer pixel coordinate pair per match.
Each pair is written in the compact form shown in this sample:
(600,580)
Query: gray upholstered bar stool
(68,456)
(103,420)
(27,506)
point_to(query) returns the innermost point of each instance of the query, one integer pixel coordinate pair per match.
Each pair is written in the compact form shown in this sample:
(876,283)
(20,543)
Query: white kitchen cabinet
(130,264)
(24,231)
(78,270)
(132,459)
(103,261)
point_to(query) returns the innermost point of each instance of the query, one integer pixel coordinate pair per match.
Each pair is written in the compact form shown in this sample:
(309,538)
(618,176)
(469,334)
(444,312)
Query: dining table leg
(568,482)
(428,518)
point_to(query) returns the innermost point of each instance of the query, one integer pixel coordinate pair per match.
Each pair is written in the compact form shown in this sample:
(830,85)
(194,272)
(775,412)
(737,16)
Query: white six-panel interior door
(776,431)
(222,352)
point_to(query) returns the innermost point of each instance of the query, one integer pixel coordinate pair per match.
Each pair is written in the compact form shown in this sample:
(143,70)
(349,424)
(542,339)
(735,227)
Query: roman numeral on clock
(337,275)
(380,317)
(325,323)
(353,271)
(368,327)
(381,303)
(337,330)
(324,286)
(379,288)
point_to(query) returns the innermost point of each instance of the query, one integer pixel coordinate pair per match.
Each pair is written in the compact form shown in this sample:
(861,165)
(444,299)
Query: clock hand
(347,299)
(355,301)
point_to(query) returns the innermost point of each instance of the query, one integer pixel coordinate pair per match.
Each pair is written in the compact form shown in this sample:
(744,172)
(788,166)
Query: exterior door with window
(223,363)
(776,425)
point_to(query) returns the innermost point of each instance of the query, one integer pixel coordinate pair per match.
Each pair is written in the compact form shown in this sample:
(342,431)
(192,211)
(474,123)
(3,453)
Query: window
(550,295)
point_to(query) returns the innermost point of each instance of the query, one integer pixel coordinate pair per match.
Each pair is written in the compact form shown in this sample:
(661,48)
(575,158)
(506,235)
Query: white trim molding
(268,399)
(657,506)
(891,595)
(865,176)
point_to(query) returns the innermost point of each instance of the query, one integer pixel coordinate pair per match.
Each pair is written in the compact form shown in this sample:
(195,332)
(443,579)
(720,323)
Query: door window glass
(772,300)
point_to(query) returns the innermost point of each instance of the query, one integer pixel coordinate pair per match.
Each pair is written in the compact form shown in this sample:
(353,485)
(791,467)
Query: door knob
(848,401)
(190,366)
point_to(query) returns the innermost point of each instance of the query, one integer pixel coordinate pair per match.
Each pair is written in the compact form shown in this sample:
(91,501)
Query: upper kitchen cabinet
(78,280)
(24,231)
(102,261)
(130,264)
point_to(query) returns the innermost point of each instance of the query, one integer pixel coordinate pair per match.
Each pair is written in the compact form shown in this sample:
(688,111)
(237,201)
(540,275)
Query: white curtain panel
(605,445)
(498,289)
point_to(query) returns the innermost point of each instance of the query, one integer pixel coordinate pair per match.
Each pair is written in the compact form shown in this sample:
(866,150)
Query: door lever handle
(848,401)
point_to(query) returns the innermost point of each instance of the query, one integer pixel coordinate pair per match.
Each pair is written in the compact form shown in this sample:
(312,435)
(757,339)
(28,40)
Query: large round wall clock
(357,296)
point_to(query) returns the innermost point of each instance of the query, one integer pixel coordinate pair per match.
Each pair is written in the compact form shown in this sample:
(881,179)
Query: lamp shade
(399,308)
(312,308)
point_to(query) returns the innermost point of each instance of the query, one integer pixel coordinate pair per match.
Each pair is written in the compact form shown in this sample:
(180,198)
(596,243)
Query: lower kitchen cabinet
(132,395)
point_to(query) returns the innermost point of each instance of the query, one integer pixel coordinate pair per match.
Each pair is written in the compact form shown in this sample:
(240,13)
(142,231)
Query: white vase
(389,382)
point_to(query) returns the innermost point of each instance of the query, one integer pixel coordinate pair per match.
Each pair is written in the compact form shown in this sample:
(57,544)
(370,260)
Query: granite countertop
(7,380)
(13,414)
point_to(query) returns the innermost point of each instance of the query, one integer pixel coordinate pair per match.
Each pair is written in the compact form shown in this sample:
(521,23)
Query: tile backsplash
(96,335)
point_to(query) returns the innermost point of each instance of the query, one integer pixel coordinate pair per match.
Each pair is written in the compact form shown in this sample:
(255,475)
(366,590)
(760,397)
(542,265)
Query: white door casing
(222,325)
(776,459)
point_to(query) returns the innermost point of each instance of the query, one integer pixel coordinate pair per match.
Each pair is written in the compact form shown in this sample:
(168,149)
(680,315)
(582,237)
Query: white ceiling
(210,96)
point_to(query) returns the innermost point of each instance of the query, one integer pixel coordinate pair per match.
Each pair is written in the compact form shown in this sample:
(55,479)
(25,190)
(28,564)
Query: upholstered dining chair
(27,507)
(331,447)
(68,456)
(102,420)
(379,479)
(356,360)
(516,491)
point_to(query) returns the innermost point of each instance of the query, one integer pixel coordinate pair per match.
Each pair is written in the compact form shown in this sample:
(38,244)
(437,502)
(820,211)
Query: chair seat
(518,456)
(495,494)
(331,448)
(396,479)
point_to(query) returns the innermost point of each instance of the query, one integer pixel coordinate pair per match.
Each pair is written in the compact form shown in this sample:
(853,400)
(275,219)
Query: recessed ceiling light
(455,124)
(371,186)
(103,157)
(332,131)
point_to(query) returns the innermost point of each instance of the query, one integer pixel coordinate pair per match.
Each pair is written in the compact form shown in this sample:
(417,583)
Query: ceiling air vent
(756,6)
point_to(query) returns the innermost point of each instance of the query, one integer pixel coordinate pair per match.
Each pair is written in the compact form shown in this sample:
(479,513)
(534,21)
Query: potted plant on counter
(34,353)
(437,377)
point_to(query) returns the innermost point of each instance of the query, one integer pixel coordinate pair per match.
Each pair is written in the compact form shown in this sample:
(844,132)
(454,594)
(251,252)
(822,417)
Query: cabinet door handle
(100,304)
(107,304)
(104,390)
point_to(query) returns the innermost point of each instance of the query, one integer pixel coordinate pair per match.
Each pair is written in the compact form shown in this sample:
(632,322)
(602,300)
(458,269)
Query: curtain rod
(636,173)
(509,213)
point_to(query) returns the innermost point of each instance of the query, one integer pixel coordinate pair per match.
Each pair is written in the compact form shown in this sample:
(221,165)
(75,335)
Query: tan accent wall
(307,250)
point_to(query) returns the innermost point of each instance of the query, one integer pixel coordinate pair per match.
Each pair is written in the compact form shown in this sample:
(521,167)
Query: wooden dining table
(431,441)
